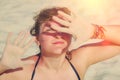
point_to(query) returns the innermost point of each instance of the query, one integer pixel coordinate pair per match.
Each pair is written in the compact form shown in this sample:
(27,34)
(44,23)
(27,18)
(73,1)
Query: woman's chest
(55,77)
(38,76)
(65,74)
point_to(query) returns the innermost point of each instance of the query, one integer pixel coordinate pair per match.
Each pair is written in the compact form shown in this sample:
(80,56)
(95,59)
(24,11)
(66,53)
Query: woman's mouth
(58,42)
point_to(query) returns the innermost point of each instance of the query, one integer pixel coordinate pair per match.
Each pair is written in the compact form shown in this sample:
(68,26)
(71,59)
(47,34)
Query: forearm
(111,33)
(3,68)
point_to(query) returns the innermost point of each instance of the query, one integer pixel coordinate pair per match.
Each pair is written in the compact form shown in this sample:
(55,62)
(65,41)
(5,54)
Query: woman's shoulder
(20,73)
(16,74)
(79,60)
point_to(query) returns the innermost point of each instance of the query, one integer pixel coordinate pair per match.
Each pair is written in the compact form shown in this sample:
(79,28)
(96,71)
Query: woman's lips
(58,42)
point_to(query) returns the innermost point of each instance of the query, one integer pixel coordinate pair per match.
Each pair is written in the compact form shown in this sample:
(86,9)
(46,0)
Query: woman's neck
(53,63)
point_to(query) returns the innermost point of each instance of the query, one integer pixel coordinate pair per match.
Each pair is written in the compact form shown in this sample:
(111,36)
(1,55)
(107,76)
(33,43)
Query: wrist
(3,68)
(98,32)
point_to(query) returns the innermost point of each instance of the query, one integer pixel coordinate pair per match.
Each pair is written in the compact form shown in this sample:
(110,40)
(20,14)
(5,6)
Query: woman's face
(52,41)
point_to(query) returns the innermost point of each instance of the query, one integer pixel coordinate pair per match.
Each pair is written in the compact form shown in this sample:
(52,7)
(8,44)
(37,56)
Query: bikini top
(74,70)
(33,73)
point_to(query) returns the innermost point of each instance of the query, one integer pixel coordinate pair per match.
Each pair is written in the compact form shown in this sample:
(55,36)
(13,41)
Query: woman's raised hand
(11,58)
(74,25)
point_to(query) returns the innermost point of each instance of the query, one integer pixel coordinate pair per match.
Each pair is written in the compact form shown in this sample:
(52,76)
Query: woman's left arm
(109,47)
(82,31)
(111,33)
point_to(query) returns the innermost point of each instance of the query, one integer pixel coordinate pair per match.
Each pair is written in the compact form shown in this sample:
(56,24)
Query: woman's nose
(58,35)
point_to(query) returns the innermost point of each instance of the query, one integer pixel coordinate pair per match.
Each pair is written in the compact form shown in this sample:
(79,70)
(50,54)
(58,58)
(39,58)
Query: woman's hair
(46,15)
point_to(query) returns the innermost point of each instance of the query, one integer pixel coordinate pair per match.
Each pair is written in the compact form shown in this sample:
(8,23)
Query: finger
(61,21)
(9,37)
(65,16)
(63,29)
(24,38)
(18,39)
(56,27)
(29,43)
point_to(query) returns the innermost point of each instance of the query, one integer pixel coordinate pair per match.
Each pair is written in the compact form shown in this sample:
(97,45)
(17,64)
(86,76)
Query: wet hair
(46,15)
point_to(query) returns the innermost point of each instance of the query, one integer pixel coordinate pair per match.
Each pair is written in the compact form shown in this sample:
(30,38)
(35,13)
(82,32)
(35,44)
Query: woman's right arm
(11,58)
(3,68)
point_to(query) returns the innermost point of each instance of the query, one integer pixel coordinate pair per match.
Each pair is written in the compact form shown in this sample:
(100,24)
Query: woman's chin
(58,51)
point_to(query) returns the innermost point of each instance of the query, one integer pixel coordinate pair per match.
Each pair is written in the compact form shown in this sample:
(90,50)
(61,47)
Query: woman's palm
(11,57)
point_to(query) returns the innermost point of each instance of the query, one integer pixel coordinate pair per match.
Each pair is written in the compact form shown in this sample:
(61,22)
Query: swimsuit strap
(74,69)
(33,73)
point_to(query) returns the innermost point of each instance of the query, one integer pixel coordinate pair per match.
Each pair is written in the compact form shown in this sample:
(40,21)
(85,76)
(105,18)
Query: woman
(54,30)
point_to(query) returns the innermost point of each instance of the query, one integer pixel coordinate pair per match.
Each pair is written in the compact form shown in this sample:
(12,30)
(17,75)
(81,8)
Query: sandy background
(16,15)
